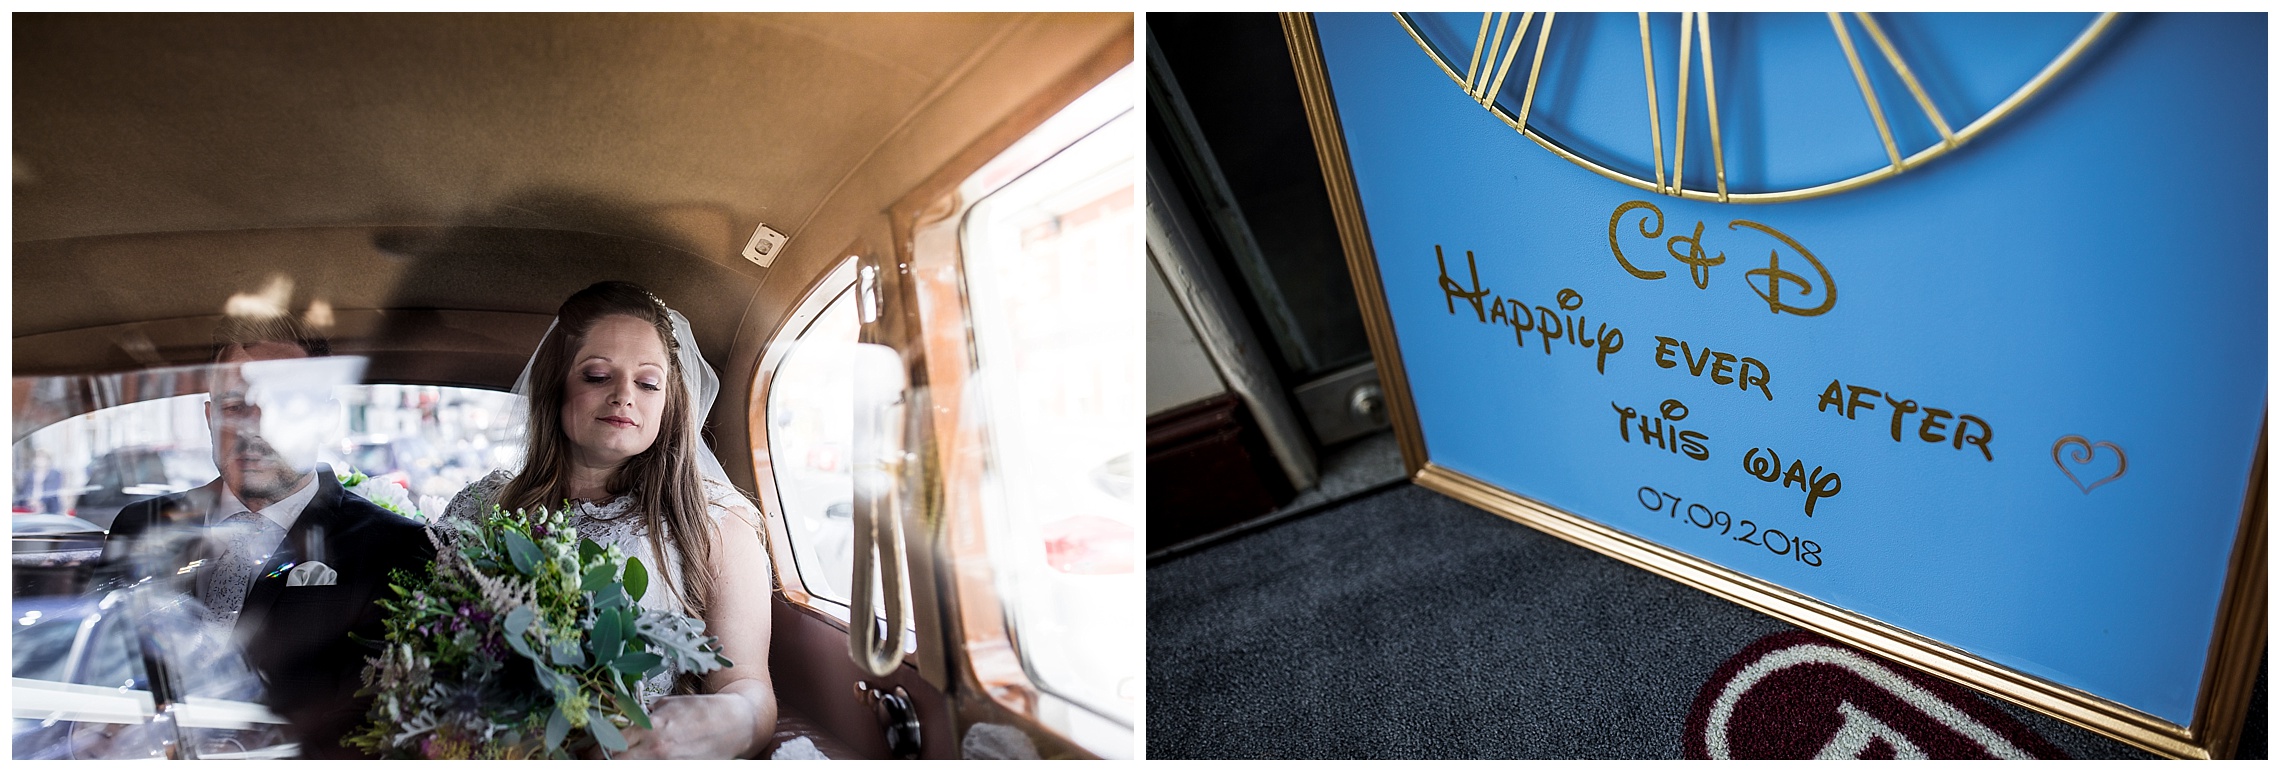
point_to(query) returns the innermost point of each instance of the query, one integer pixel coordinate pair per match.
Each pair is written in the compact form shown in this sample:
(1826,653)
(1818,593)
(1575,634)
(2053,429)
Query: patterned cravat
(251,538)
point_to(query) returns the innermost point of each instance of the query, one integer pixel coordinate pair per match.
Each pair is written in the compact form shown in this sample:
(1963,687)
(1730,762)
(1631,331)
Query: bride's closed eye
(603,378)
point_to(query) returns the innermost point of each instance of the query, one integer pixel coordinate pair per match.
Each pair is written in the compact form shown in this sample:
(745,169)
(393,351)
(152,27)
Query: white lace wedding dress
(614,522)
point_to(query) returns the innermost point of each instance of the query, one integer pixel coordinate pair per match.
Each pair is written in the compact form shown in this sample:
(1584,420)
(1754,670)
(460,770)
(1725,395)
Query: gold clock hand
(1893,55)
(1866,92)
(1654,109)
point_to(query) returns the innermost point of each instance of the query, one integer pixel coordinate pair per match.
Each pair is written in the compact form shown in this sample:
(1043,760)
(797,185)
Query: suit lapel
(306,541)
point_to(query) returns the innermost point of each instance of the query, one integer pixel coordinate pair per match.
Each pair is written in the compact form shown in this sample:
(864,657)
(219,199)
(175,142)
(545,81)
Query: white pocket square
(312,574)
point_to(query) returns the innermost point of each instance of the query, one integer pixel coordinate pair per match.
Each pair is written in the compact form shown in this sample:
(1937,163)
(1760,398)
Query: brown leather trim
(815,680)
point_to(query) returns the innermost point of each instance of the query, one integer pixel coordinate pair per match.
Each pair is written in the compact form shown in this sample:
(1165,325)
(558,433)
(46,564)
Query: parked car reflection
(83,685)
(126,475)
(52,554)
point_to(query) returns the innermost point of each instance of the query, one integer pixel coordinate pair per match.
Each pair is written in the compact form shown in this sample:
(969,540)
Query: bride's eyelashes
(645,385)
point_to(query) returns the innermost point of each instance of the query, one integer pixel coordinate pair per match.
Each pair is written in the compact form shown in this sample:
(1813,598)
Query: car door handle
(881,460)
(898,718)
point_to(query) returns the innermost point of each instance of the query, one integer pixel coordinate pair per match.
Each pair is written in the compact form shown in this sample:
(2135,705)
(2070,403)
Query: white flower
(389,496)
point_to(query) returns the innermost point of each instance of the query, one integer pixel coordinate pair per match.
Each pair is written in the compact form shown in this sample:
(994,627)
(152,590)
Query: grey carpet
(1351,467)
(1404,624)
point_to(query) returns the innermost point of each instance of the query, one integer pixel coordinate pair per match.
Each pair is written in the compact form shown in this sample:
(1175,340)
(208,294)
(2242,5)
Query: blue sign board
(2008,396)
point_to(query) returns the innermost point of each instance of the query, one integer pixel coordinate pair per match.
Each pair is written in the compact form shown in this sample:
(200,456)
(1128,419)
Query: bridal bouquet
(524,641)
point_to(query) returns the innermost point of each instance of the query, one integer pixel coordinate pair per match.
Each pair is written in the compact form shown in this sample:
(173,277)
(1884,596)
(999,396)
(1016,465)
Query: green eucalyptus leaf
(605,732)
(557,727)
(637,662)
(524,552)
(596,579)
(566,654)
(605,639)
(516,625)
(588,550)
(633,709)
(636,578)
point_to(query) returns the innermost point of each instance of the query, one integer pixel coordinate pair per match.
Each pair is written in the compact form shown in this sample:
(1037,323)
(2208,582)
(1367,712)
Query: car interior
(426,189)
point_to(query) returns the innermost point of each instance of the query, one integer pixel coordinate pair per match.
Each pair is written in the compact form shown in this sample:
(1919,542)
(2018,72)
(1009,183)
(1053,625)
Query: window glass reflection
(427,441)
(107,626)
(1048,258)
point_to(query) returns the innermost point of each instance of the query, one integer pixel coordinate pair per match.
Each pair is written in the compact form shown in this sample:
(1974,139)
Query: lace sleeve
(724,500)
(477,496)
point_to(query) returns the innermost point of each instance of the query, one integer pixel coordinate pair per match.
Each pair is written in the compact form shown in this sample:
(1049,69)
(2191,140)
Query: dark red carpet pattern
(1798,695)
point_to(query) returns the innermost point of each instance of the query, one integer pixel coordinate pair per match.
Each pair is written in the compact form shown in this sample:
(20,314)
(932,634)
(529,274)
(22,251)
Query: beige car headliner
(441,182)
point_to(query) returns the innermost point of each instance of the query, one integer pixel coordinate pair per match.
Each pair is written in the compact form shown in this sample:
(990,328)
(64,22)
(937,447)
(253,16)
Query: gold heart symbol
(2086,450)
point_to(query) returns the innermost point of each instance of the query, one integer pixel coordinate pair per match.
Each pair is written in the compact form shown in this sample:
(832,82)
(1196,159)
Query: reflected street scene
(149,633)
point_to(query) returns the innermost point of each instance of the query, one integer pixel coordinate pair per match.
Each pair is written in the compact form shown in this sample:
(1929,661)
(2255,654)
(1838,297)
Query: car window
(811,428)
(1046,256)
(83,647)
(428,442)
(80,677)
(809,382)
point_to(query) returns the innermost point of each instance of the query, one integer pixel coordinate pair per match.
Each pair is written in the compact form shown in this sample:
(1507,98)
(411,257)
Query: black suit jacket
(297,638)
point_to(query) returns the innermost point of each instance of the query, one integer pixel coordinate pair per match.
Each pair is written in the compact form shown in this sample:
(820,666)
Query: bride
(617,390)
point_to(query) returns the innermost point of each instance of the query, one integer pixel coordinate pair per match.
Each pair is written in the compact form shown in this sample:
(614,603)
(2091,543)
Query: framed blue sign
(1941,334)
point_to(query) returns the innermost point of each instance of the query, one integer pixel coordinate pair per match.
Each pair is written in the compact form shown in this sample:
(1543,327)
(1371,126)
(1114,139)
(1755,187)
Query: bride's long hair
(668,494)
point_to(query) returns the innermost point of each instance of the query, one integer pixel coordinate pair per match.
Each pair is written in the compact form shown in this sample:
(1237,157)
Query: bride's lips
(619,421)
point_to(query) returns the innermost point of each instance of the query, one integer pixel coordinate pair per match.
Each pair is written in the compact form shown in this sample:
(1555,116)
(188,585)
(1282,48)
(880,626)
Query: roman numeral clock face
(1951,325)
(1816,104)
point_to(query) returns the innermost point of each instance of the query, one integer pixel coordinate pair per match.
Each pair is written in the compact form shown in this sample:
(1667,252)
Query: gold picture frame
(2236,645)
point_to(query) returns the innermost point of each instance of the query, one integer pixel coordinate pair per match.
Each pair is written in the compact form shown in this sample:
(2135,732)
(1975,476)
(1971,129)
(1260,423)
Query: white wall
(1178,370)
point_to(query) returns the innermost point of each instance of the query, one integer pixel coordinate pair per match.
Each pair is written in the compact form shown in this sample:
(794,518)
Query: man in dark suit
(275,549)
